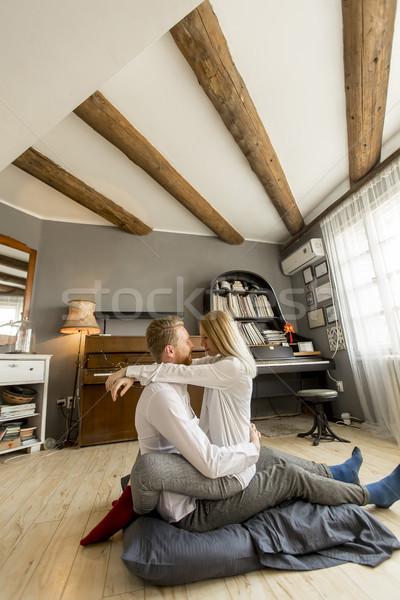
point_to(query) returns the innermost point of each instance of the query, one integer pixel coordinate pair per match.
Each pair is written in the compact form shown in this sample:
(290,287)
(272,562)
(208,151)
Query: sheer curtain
(10,310)
(362,238)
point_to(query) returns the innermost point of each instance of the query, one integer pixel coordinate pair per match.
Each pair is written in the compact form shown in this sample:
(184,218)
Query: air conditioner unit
(303,256)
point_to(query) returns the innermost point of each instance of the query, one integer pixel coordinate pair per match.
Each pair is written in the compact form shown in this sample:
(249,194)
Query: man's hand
(114,378)
(255,436)
(121,386)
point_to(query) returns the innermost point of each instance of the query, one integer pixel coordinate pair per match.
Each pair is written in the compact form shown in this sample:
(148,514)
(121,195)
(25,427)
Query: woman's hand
(122,386)
(114,378)
(255,436)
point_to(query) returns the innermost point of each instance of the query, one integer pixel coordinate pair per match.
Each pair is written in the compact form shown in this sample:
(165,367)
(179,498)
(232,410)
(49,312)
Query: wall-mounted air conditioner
(305,255)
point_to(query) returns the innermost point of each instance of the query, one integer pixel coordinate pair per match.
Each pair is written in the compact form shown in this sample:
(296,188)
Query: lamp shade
(81,317)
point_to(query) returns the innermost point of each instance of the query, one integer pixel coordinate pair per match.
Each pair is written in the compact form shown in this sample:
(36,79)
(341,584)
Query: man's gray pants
(280,476)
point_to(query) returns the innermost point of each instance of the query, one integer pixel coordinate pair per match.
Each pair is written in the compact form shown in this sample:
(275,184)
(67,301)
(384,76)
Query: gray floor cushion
(294,535)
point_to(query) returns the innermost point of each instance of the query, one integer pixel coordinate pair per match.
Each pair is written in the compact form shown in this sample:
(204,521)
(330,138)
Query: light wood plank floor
(50,499)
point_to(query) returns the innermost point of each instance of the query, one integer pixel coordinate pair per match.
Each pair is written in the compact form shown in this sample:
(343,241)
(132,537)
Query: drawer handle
(31,369)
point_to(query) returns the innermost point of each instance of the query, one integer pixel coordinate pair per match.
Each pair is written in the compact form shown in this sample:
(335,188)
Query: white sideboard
(31,370)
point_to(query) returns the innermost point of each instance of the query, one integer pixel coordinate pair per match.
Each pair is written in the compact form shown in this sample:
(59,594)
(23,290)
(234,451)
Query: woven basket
(18,395)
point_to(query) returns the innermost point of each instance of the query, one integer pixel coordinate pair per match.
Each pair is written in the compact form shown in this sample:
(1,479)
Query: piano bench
(320,430)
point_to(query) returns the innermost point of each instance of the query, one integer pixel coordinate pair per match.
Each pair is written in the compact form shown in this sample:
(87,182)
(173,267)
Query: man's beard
(187,361)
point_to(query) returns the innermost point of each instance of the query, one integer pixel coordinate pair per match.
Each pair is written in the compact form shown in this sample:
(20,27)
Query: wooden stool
(317,398)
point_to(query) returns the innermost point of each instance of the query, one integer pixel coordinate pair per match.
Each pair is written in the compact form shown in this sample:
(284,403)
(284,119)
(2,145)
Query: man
(166,423)
(164,410)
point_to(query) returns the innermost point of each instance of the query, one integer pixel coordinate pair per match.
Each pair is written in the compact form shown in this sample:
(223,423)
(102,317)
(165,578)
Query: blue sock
(348,471)
(385,492)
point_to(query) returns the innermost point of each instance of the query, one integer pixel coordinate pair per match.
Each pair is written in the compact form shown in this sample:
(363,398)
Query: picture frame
(323,292)
(310,298)
(335,338)
(308,275)
(321,269)
(330,312)
(316,318)
(306,346)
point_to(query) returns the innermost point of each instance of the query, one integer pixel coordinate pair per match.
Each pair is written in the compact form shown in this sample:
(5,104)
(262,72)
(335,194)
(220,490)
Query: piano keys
(294,365)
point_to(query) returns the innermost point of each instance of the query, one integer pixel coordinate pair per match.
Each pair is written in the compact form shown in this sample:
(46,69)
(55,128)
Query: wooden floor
(50,499)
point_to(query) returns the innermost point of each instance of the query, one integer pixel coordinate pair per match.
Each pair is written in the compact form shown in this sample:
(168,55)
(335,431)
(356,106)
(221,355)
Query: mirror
(17,268)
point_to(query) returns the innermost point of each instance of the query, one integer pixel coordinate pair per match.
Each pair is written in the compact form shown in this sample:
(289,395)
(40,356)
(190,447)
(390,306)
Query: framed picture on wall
(330,314)
(321,269)
(308,275)
(316,318)
(310,298)
(323,292)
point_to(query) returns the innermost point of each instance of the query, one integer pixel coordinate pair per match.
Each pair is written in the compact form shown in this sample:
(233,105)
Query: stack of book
(238,286)
(272,336)
(9,435)
(10,411)
(27,435)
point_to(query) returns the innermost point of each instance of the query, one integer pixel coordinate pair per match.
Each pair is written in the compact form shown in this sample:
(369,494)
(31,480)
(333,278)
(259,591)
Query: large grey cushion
(165,555)
(295,536)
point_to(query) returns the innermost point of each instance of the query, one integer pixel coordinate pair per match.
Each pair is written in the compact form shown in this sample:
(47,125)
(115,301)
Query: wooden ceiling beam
(201,41)
(105,119)
(13,263)
(6,278)
(47,171)
(368,27)
(7,290)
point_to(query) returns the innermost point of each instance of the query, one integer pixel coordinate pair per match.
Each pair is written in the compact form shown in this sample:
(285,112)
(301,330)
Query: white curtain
(362,238)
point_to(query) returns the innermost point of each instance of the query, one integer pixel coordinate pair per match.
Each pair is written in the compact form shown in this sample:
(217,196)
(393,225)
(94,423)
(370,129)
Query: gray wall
(162,271)
(165,272)
(20,226)
(347,401)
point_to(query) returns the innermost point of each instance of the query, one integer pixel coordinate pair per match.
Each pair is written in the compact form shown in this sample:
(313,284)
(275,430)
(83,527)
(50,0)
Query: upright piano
(102,420)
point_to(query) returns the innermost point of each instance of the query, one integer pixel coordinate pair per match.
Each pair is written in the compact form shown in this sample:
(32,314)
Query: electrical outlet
(340,386)
(69,401)
(61,401)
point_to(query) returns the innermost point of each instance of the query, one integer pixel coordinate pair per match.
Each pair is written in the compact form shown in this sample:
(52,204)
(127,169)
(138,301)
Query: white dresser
(31,370)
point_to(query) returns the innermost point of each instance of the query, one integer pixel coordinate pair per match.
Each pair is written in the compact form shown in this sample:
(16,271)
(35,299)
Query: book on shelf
(273,336)
(27,432)
(17,410)
(248,305)
(12,430)
(28,441)
(251,334)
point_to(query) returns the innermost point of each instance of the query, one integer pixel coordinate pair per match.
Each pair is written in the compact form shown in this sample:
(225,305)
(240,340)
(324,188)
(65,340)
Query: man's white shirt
(165,422)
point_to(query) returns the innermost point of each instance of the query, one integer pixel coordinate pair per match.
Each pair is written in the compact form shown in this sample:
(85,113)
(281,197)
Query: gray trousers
(280,476)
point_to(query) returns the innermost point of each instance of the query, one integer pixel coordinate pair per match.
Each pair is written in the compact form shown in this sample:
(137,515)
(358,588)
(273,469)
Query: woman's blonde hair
(224,334)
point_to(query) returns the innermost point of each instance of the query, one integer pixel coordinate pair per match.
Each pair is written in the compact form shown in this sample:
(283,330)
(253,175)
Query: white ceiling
(289,53)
